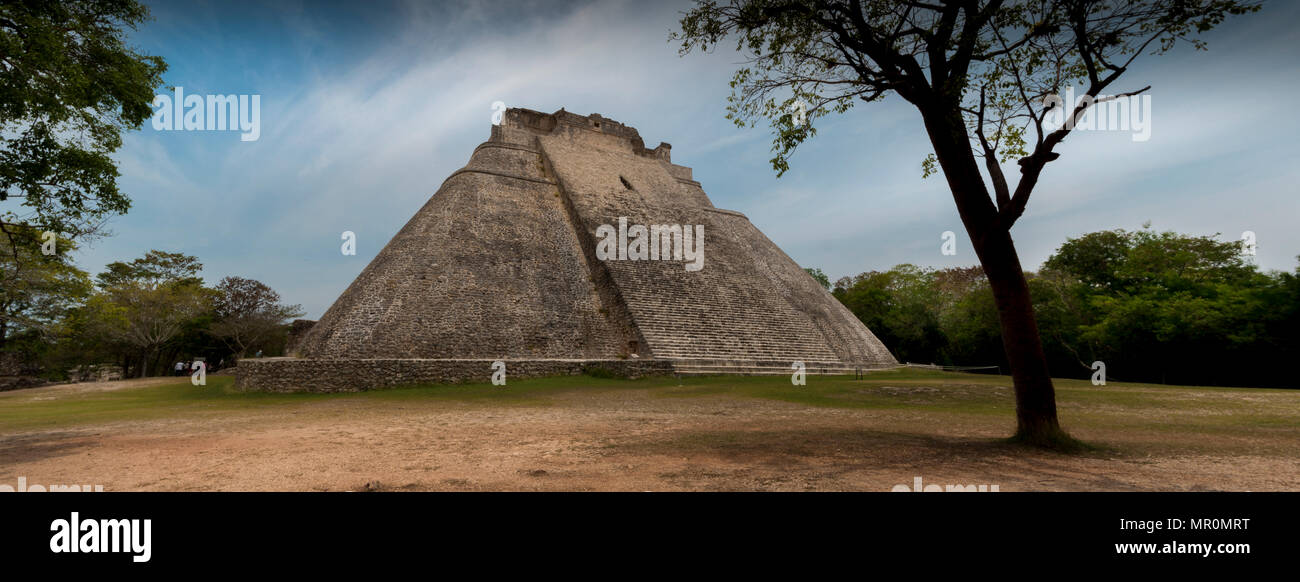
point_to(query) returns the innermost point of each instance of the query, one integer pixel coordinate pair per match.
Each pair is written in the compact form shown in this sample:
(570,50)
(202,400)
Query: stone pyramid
(505,263)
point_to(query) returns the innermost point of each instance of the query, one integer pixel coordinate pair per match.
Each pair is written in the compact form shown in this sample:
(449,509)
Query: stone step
(707,316)
(766,368)
(750,362)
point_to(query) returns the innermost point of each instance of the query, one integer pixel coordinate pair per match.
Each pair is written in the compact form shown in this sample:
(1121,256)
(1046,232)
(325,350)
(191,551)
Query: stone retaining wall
(337,375)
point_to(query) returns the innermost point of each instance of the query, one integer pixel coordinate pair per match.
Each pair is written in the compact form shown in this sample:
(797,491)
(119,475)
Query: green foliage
(69,87)
(143,314)
(987,66)
(249,314)
(1129,262)
(154,267)
(971,329)
(899,305)
(37,290)
(820,277)
(1161,306)
(1154,306)
(929,166)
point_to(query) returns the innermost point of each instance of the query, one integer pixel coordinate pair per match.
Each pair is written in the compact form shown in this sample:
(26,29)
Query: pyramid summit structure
(565,244)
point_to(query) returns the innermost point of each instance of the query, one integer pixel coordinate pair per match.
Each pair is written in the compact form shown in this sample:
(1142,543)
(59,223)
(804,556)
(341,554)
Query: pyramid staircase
(697,367)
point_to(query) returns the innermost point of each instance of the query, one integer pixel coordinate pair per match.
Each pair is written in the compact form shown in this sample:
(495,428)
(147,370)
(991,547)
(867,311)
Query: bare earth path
(626,439)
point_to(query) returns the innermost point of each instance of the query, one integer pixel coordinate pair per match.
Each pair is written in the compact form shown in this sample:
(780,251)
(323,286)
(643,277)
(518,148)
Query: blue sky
(367,107)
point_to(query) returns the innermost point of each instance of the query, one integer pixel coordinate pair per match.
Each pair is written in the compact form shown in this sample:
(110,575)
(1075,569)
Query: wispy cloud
(366,111)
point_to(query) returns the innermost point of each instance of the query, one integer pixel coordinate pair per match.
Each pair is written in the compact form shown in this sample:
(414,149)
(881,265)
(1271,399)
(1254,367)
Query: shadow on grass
(834,458)
(1058,441)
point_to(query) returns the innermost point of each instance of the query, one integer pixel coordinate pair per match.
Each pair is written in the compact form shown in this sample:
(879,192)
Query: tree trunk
(1036,420)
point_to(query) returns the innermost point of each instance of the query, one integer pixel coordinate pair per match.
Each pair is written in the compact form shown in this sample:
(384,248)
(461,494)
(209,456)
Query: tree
(36,289)
(154,267)
(69,86)
(148,302)
(1154,307)
(901,306)
(968,318)
(981,73)
(1159,306)
(1063,307)
(145,316)
(248,313)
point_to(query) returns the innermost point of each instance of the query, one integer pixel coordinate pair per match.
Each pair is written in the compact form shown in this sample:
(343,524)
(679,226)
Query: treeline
(143,315)
(1153,307)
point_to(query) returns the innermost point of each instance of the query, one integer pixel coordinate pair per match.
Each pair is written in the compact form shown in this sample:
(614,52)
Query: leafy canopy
(979,71)
(69,87)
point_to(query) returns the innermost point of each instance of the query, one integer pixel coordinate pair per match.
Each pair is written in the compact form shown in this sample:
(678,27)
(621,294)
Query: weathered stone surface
(96,373)
(18,382)
(501,263)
